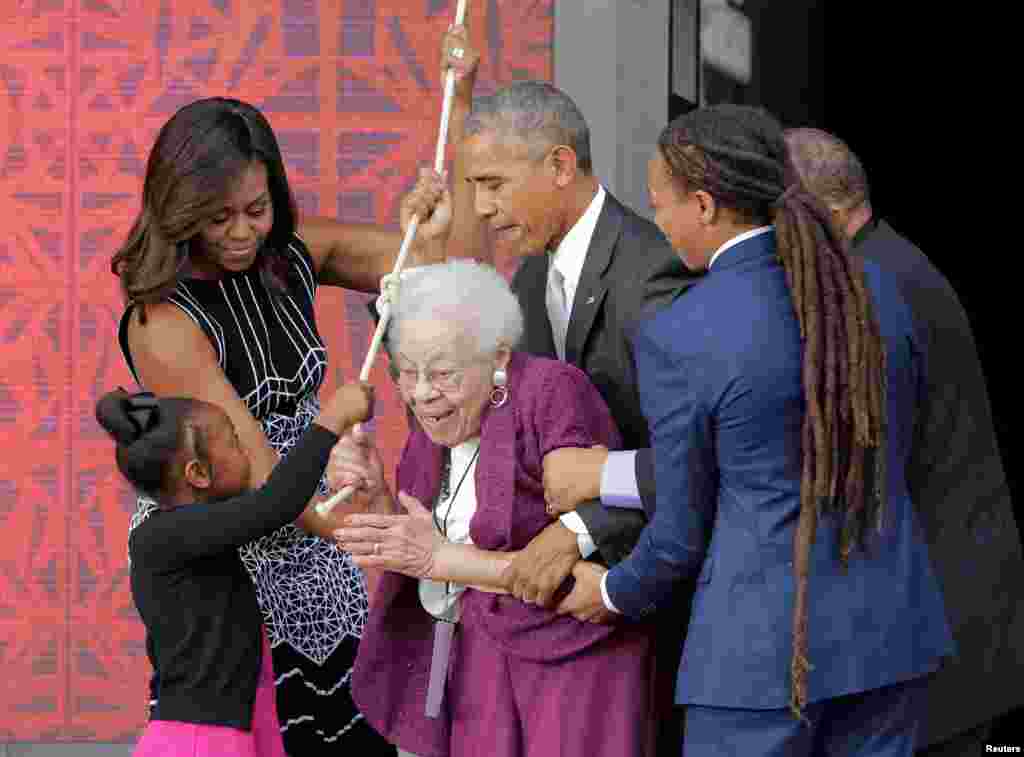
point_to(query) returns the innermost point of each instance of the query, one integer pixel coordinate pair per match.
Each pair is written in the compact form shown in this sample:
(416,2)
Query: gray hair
(828,168)
(540,115)
(472,295)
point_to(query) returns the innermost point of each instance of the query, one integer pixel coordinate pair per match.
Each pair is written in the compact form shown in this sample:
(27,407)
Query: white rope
(324,508)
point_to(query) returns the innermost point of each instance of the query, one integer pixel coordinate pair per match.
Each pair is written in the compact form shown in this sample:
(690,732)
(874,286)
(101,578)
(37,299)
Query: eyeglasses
(443,380)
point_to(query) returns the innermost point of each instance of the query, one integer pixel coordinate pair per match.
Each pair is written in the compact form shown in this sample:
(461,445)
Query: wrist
(442,561)
(462,100)
(567,541)
(331,422)
(597,473)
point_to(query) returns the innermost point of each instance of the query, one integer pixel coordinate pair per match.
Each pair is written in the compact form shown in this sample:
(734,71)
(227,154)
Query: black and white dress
(313,598)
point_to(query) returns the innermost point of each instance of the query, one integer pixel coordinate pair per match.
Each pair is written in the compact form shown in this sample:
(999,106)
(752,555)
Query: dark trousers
(962,745)
(878,723)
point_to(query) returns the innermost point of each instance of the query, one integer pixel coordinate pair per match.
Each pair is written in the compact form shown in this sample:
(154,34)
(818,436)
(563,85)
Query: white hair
(472,296)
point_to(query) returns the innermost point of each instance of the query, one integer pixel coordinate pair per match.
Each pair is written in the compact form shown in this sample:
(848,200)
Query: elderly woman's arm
(409,543)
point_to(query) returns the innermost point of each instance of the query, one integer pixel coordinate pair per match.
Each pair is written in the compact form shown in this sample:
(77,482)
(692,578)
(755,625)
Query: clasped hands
(385,537)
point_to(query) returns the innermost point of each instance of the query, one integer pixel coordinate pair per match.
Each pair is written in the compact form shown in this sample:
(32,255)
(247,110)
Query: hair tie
(143,410)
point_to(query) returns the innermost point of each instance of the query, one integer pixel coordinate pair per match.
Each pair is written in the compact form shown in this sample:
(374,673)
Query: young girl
(204,628)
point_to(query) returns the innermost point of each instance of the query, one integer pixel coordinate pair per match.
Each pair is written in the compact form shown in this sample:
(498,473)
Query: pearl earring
(499,394)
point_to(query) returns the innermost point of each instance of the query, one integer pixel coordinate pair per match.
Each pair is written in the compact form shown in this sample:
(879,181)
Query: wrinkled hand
(355,462)
(584,602)
(465,67)
(538,570)
(431,201)
(406,544)
(572,475)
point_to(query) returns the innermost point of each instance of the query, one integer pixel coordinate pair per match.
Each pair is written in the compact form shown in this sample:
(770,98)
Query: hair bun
(126,417)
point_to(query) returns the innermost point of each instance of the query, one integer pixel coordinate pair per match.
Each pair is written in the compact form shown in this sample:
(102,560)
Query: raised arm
(173,358)
(356,256)
(468,237)
(193,531)
(187,533)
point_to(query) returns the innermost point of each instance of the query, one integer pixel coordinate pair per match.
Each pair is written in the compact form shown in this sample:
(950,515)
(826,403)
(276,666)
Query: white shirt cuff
(575,523)
(604,594)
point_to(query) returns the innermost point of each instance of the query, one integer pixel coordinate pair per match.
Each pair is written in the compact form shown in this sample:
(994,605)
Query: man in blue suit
(781,394)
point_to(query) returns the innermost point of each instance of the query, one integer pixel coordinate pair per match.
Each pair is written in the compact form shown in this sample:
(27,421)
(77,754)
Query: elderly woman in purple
(449,663)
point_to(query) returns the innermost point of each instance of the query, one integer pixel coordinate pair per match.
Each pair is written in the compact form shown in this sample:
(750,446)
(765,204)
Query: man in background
(956,476)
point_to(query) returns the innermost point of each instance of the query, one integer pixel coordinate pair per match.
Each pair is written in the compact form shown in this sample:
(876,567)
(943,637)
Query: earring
(499,394)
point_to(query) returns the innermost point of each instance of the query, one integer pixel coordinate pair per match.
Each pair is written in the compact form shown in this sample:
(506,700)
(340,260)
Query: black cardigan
(203,623)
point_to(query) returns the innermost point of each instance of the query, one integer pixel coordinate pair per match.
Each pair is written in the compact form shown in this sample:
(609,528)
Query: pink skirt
(171,738)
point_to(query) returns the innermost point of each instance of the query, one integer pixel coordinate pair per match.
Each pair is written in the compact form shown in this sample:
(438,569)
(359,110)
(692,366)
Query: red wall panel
(350,86)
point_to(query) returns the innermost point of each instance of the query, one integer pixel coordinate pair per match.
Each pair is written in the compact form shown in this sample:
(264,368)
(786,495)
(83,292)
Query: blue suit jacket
(720,385)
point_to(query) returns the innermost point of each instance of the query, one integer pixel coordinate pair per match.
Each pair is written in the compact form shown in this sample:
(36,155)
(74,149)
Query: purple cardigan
(551,405)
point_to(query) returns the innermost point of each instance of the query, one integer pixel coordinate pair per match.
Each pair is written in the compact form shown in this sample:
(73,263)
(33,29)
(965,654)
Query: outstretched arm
(410,544)
(175,359)
(186,533)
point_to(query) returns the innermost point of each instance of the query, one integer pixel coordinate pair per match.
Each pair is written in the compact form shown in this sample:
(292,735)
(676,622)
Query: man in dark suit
(590,266)
(955,473)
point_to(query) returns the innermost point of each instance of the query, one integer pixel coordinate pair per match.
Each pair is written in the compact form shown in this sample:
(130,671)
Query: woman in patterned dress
(219,276)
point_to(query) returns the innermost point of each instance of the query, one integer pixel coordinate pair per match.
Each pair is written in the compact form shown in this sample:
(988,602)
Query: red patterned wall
(350,86)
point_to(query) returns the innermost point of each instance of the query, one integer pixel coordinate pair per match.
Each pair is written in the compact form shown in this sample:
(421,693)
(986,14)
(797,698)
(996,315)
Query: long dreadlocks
(738,155)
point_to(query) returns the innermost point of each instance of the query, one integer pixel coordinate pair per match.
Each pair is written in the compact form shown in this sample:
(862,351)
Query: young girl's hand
(349,405)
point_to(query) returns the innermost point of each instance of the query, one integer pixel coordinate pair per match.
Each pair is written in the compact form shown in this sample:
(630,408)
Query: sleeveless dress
(312,596)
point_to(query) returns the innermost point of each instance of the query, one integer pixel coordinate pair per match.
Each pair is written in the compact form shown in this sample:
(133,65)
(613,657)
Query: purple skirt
(172,738)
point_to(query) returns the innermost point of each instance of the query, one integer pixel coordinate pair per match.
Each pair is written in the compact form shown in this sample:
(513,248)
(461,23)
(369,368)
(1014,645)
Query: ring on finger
(458,52)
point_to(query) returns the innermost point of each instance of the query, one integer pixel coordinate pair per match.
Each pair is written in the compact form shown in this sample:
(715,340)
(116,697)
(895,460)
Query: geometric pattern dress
(312,596)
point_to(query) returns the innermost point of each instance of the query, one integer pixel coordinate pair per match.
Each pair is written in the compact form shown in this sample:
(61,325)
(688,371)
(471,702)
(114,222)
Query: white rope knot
(389,284)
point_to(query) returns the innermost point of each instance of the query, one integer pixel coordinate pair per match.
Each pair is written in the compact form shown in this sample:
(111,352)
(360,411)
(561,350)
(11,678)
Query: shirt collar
(737,239)
(571,253)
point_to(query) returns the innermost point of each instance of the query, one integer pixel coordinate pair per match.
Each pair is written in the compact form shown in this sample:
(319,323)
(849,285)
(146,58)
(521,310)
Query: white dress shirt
(569,258)
(439,597)
(571,253)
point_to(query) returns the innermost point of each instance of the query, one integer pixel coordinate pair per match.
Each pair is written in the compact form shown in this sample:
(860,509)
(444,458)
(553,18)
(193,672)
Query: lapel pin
(590,299)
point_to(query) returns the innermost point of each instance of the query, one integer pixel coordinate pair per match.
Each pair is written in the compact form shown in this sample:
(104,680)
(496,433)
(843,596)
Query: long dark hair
(199,153)
(149,433)
(738,155)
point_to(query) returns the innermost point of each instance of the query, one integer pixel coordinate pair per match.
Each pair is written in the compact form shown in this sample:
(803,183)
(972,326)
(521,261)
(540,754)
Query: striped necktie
(558,313)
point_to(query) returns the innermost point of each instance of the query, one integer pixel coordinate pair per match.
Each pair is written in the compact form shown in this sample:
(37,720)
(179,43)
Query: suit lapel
(531,283)
(591,291)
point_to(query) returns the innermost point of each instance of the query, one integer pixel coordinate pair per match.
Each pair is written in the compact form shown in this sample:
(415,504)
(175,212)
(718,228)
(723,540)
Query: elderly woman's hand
(407,544)
(355,462)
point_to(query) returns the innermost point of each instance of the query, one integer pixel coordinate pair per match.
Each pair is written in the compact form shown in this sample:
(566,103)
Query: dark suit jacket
(630,267)
(722,386)
(957,483)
